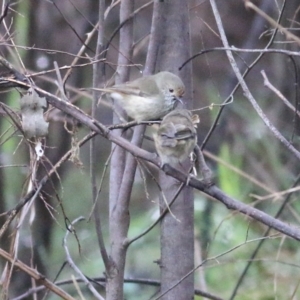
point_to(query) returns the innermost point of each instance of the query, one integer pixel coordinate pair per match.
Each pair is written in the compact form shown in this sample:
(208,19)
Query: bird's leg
(202,166)
(191,169)
(194,169)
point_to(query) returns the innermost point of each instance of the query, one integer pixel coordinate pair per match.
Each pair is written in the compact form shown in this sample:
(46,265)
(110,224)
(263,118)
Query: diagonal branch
(35,275)
(245,88)
(213,191)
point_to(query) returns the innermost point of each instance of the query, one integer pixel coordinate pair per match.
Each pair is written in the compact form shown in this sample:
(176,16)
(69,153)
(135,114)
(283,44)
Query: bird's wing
(167,142)
(124,89)
(167,133)
(143,87)
(147,86)
(183,132)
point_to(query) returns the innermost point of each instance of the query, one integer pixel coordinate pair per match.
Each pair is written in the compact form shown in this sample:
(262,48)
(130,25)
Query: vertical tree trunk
(119,200)
(177,235)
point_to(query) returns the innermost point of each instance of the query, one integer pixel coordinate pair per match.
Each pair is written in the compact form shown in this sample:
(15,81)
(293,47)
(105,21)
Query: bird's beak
(179,100)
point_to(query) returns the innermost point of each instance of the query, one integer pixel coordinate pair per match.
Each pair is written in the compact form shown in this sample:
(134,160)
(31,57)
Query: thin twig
(5,11)
(238,171)
(150,282)
(72,264)
(289,35)
(235,49)
(122,24)
(69,67)
(245,88)
(13,212)
(213,127)
(269,85)
(36,275)
(98,76)
(71,27)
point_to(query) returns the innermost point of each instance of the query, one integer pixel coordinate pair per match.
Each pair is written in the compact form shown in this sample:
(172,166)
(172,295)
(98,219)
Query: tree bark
(177,233)
(119,198)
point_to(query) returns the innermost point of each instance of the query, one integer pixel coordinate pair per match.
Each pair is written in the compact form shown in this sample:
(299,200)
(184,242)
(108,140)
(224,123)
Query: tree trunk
(119,199)
(177,233)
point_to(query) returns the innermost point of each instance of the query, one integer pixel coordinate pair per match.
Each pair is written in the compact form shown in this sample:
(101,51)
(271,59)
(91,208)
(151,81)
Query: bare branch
(72,264)
(245,88)
(136,151)
(289,35)
(36,275)
(144,281)
(268,84)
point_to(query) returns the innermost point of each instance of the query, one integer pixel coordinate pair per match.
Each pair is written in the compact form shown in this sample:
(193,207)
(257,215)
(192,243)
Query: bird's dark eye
(171,90)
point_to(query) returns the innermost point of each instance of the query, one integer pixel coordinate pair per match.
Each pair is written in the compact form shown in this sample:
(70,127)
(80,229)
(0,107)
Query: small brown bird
(149,97)
(176,137)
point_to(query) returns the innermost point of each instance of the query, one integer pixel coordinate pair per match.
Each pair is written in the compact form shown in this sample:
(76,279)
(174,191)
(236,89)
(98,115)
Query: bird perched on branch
(148,98)
(176,137)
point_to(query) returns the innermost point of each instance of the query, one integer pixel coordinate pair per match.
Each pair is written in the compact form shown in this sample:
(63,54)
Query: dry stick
(289,35)
(49,51)
(19,76)
(276,195)
(72,264)
(70,25)
(130,167)
(275,24)
(60,84)
(105,168)
(293,296)
(69,67)
(268,84)
(123,23)
(98,74)
(10,135)
(125,56)
(14,166)
(150,282)
(275,279)
(123,169)
(14,118)
(16,233)
(155,37)
(83,48)
(213,191)
(14,46)
(131,124)
(149,69)
(77,57)
(36,275)
(13,212)
(213,127)
(245,88)
(235,49)
(5,8)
